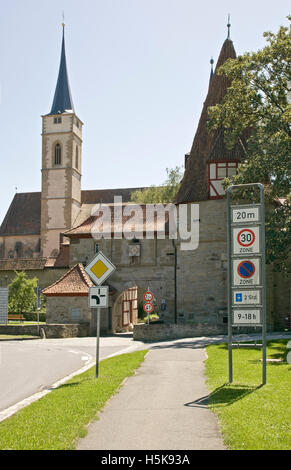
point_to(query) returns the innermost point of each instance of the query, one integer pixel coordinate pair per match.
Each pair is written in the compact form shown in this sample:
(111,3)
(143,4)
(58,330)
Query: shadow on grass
(225,395)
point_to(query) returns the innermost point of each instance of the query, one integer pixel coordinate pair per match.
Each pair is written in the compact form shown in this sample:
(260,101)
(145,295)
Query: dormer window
(58,155)
(217,171)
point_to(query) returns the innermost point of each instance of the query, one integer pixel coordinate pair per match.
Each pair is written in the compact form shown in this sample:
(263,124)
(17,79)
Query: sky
(138,72)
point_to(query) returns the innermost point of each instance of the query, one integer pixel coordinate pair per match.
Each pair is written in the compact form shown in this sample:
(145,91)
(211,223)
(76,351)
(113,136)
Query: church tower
(61,164)
(209,160)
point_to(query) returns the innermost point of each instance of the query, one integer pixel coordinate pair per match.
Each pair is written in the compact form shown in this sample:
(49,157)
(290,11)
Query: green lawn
(55,421)
(251,416)
(6,337)
(25,322)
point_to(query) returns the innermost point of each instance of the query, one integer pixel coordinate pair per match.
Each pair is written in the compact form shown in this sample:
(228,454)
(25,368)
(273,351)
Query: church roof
(74,282)
(62,99)
(145,220)
(23,215)
(106,195)
(208,146)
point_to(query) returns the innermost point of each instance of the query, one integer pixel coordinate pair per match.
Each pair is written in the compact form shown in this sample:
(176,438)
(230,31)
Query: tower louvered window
(77,158)
(58,154)
(217,171)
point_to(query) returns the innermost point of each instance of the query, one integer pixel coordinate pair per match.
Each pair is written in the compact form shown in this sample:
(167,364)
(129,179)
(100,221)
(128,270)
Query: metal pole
(98,314)
(264,313)
(229,283)
(175,281)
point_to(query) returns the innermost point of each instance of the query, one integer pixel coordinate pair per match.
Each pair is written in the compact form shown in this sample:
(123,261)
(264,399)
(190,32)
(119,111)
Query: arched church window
(58,154)
(77,157)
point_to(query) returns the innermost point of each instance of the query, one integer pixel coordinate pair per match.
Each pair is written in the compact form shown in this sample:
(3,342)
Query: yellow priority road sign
(99,268)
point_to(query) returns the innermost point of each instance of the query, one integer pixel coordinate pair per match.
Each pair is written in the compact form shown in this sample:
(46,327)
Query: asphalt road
(31,366)
(28,367)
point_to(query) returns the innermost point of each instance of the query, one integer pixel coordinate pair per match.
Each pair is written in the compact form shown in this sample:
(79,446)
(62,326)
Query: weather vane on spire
(228,27)
(63,15)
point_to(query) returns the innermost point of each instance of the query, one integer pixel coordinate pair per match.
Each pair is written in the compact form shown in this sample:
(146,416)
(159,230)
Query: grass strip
(251,416)
(12,337)
(55,421)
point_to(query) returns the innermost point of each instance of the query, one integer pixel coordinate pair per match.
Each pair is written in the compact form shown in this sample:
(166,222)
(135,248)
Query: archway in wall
(125,308)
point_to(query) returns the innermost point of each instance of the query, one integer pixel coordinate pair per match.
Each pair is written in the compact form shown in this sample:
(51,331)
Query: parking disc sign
(99,268)
(246,297)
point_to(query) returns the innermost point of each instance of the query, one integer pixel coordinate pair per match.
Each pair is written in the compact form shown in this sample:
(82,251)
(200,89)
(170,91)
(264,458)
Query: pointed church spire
(62,99)
(228,27)
(211,71)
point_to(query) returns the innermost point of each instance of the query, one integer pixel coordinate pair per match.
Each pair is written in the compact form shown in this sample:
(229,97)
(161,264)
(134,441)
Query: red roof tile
(91,225)
(75,282)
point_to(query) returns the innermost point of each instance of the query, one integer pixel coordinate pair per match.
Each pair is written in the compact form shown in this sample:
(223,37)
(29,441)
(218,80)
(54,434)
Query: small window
(77,158)
(75,314)
(96,248)
(217,172)
(57,120)
(58,154)
(221,172)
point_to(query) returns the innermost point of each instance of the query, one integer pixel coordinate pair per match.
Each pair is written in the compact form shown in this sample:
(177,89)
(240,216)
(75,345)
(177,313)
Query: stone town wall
(160,332)
(51,331)
(201,273)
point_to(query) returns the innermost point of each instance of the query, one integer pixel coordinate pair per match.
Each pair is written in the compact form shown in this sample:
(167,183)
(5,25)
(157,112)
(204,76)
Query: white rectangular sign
(246,240)
(245,214)
(3,305)
(247,317)
(98,297)
(246,297)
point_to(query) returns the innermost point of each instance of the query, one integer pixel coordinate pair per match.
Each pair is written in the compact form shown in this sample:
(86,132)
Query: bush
(32,316)
(22,297)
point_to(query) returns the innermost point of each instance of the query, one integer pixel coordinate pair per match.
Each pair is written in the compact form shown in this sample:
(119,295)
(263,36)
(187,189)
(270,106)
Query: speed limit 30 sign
(246,240)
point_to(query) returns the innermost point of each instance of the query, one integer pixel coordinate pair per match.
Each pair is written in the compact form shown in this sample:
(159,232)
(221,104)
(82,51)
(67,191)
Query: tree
(257,107)
(160,194)
(22,297)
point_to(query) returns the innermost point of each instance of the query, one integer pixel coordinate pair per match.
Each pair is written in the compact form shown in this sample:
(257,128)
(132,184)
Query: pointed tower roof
(62,99)
(208,146)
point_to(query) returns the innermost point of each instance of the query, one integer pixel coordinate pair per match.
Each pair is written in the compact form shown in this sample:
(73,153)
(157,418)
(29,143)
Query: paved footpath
(162,407)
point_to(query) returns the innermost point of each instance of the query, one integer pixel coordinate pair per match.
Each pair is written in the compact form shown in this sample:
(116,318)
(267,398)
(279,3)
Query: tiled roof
(106,195)
(208,146)
(23,215)
(75,282)
(138,219)
(21,264)
(63,258)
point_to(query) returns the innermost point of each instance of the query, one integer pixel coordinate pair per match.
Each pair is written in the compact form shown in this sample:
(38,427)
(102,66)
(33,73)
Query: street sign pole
(98,315)
(264,303)
(229,290)
(98,269)
(246,288)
